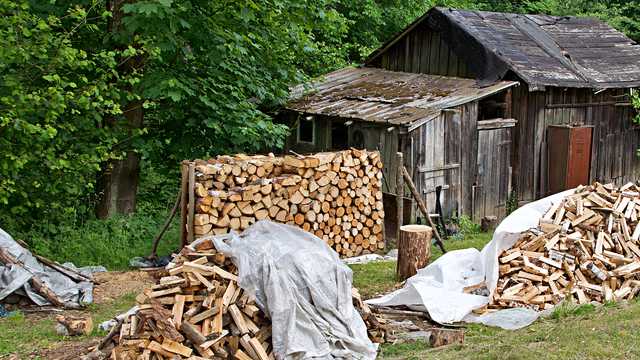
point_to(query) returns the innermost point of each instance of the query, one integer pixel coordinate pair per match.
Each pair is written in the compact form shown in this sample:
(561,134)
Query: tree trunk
(118,181)
(414,250)
(118,184)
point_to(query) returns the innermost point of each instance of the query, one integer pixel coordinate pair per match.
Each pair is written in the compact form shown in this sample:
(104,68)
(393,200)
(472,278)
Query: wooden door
(493,178)
(436,144)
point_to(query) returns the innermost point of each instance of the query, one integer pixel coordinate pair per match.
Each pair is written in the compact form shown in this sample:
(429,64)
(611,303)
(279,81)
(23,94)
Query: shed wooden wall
(376,137)
(423,51)
(615,137)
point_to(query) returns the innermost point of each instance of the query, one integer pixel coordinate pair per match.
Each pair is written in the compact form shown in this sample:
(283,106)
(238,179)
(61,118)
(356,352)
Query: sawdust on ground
(113,284)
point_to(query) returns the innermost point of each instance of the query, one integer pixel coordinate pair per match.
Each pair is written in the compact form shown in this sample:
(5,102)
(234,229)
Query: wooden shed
(576,72)
(575,77)
(435,120)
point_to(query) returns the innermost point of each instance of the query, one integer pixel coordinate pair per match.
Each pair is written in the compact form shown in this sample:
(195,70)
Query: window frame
(313,131)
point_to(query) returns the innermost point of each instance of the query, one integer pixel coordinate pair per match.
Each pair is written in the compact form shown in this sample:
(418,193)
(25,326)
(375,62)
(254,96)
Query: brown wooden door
(493,179)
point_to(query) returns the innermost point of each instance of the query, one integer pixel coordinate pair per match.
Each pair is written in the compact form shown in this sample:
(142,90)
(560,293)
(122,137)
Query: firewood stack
(586,247)
(335,195)
(196,311)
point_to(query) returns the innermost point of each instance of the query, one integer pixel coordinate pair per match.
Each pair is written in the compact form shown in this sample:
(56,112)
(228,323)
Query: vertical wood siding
(614,144)
(423,51)
(492,181)
(450,152)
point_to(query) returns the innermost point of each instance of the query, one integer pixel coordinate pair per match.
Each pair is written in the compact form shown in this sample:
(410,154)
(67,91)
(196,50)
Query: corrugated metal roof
(542,50)
(372,94)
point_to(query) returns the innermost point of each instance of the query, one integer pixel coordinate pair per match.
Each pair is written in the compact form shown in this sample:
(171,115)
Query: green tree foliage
(208,74)
(53,99)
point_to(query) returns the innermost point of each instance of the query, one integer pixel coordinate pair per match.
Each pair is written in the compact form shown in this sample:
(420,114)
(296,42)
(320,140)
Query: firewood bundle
(586,247)
(197,311)
(335,195)
(376,330)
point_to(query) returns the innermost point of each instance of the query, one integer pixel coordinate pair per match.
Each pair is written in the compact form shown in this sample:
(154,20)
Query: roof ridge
(546,42)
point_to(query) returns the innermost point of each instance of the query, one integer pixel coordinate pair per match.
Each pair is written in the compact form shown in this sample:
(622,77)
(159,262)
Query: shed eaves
(377,95)
(542,50)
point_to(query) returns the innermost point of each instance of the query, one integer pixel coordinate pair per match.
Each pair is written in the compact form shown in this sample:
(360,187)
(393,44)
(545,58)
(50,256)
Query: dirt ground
(111,285)
(115,283)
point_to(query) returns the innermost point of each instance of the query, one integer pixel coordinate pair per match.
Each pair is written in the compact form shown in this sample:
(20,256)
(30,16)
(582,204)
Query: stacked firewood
(336,195)
(585,248)
(197,311)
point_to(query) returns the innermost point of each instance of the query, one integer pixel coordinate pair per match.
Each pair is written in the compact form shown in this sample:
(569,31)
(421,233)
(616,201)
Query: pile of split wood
(337,196)
(196,311)
(586,247)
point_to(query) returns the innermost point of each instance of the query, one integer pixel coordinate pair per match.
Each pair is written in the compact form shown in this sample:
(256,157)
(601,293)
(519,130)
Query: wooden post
(184,189)
(192,201)
(399,194)
(414,250)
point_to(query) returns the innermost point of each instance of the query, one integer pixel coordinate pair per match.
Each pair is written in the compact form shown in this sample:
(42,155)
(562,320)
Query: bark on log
(414,250)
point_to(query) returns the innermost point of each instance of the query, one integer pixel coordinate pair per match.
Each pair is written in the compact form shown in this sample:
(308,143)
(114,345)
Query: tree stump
(414,250)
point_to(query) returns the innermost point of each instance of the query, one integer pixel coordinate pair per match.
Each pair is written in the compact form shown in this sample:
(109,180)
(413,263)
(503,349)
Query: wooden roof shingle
(542,50)
(381,96)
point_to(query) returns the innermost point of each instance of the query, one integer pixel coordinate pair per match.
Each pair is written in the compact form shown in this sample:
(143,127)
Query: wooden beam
(496,124)
(184,188)
(399,193)
(192,202)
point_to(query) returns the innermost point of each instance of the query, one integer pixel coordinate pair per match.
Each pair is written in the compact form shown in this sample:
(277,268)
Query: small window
(306,131)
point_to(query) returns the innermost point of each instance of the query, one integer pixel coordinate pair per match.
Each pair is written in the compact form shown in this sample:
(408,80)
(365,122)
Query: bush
(466,228)
(85,240)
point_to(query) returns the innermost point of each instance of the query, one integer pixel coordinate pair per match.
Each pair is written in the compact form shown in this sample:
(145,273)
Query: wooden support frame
(192,201)
(399,193)
(184,187)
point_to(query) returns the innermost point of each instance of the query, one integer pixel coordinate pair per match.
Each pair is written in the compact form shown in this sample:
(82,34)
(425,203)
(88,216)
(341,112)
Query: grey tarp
(15,278)
(304,288)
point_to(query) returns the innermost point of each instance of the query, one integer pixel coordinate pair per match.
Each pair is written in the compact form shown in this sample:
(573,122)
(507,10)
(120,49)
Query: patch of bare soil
(67,351)
(113,284)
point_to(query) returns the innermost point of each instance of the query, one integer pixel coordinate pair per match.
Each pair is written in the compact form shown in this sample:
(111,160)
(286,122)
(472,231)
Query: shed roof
(542,50)
(377,95)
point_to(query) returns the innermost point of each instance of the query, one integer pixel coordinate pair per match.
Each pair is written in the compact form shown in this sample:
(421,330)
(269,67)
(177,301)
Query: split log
(74,326)
(583,249)
(414,250)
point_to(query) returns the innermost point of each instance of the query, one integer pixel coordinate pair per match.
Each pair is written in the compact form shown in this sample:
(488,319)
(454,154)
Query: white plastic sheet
(438,288)
(304,288)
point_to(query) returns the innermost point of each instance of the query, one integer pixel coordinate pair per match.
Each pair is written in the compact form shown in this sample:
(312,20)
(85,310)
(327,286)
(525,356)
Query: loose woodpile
(376,330)
(198,311)
(586,247)
(337,196)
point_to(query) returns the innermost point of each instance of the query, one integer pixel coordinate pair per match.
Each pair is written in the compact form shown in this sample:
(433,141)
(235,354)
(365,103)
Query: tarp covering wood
(15,277)
(438,288)
(304,288)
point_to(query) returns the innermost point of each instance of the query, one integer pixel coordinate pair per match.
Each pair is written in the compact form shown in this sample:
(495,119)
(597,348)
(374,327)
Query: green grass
(110,242)
(23,335)
(377,278)
(571,332)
